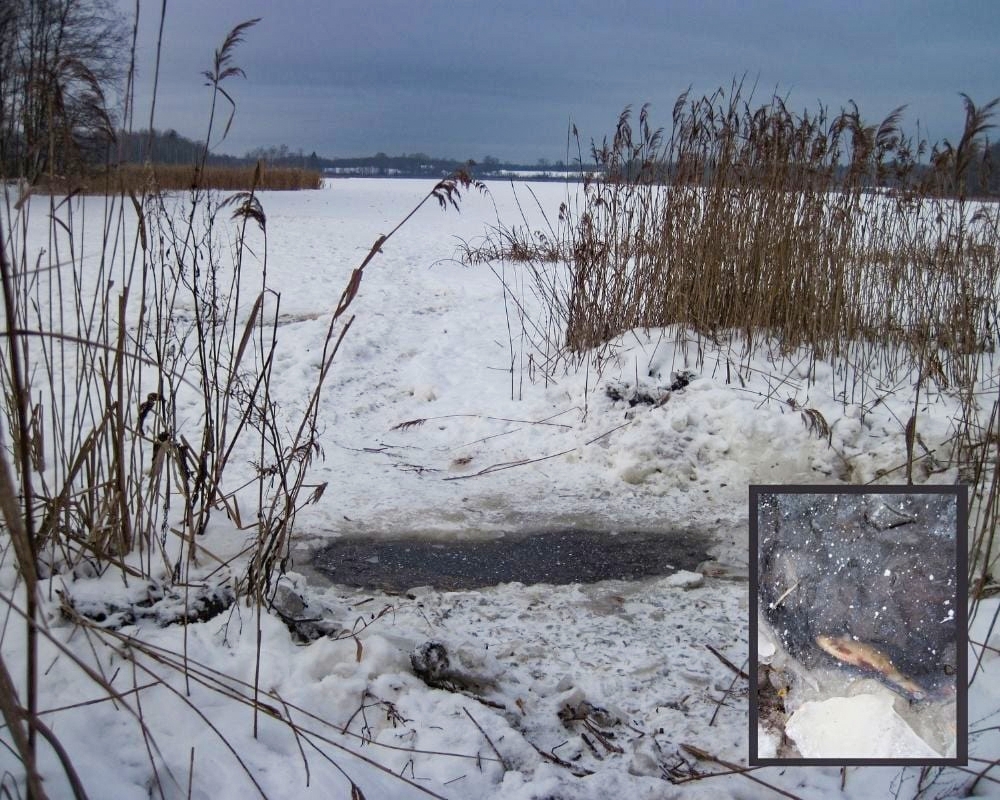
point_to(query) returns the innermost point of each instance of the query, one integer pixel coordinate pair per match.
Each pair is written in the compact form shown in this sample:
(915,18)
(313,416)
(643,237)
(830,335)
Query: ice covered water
(864,580)
(556,557)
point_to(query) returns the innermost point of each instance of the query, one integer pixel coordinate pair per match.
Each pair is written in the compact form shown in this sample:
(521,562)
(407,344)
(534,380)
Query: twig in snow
(704,755)
(419,469)
(295,732)
(590,746)
(732,683)
(410,423)
(523,461)
(552,758)
(489,741)
(602,738)
(507,465)
(365,694)
(485,439)
(608,433)
(415,423)
(727,662)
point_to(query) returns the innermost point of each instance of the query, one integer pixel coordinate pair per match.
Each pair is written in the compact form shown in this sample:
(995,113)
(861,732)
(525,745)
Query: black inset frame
(962,623)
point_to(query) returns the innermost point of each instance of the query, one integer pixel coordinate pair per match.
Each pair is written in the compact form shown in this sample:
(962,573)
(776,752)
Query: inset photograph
(858,638)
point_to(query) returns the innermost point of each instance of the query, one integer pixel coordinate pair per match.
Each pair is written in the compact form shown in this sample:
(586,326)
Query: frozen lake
(434,443)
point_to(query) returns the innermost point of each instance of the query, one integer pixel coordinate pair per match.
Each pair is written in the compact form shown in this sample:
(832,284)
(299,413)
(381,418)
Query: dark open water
(556,557)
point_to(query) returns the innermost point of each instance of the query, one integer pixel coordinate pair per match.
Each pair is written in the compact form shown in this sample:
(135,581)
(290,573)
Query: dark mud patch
(555,557)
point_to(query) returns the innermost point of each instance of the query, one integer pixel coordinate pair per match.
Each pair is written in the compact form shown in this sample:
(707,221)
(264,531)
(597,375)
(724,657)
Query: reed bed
(816,230)
(142,179)
(755,229)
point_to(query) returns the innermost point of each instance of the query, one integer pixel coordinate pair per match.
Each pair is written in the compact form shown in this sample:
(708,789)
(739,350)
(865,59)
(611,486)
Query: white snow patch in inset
(863,726)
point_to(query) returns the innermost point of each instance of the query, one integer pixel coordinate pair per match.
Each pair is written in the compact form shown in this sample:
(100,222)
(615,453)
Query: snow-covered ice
(550,691)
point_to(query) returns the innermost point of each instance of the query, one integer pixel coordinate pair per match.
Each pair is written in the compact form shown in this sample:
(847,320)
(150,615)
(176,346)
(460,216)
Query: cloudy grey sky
(470,78)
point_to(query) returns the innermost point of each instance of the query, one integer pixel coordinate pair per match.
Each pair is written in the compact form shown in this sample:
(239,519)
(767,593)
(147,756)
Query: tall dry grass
(140,179)
(756,229)
(816,230)
(138,346)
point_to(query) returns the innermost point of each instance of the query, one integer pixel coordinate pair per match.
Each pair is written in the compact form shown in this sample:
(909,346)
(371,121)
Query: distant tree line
(170,147)
(164,147)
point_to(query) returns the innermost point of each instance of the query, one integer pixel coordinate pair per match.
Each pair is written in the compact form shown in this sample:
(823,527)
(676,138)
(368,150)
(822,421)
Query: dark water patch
(556,557)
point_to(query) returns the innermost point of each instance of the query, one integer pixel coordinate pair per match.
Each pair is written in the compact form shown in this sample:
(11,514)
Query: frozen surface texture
(854,577)
(861,591)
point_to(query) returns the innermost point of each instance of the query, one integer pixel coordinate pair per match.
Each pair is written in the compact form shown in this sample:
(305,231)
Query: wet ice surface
(879,569)
(875,575)
(556,557)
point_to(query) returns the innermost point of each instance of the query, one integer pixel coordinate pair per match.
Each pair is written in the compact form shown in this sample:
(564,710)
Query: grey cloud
(469,78)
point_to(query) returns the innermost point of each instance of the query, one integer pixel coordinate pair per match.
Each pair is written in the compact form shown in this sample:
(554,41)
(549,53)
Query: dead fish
(865,657)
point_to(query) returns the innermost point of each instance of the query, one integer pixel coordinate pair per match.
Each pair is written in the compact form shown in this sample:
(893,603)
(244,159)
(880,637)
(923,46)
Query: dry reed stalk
(778,232)
(104,359)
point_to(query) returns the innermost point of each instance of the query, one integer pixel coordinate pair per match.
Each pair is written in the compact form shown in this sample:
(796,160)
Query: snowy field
(579,691)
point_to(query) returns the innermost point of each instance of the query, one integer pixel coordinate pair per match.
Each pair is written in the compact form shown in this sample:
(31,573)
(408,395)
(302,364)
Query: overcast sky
(466,79)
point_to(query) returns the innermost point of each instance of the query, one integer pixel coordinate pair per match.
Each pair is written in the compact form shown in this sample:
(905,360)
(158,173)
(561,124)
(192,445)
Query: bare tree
(59,60)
